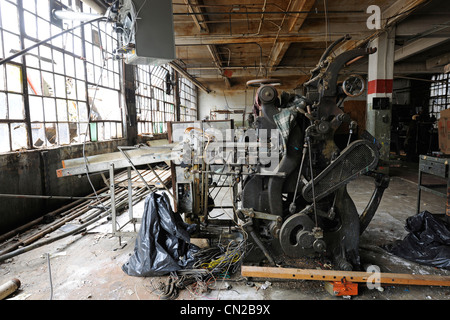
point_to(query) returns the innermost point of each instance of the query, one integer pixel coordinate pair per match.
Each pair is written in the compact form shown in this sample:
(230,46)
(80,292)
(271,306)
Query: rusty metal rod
(36,196)
(27,226)
(50,240)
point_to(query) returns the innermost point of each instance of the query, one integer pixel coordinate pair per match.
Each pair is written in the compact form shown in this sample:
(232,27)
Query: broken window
(13,128)
(155,105)
(103,83)
(61,81)
(439,94)
(188,100)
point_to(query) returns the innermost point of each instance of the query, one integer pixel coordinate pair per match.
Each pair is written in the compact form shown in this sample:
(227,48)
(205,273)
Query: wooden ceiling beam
(196,14)
(294,24)
(227,39)
(200,22)
(392,15)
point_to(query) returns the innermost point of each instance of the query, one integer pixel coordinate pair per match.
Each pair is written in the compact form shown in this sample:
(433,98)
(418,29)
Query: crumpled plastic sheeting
(163,242)
(428,241)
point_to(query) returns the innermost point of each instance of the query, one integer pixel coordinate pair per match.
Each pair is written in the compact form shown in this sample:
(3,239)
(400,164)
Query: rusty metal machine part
(322,217)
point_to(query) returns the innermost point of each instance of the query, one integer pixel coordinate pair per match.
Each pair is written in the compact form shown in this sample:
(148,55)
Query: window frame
(72,69)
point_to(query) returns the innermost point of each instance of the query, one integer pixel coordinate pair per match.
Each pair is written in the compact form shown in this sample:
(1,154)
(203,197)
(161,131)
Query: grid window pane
(60,91)
(439,92)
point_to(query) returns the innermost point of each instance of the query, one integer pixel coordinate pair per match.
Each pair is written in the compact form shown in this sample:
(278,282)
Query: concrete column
(379,94)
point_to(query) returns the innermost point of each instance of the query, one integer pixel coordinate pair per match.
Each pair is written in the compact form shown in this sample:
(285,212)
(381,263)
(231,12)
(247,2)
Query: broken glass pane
(19,136)
(106,104)
(50,133)
(38,135)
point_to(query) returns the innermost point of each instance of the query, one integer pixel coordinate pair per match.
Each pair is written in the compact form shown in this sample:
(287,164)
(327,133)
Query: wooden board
(351,276)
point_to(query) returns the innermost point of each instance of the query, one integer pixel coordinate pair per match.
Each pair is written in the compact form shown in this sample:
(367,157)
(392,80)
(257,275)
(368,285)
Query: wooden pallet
(121,179)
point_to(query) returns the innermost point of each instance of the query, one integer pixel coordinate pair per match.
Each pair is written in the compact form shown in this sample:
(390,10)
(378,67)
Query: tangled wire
(211,264)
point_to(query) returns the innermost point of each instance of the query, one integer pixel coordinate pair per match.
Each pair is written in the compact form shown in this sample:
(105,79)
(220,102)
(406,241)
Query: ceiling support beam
(294,24)
(392,15)
(417,46)
(227,39)
(438,61)
(216,58)
(197,15)
(200,22)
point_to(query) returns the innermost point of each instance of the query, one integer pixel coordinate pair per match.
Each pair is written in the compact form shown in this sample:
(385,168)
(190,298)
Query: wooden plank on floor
(351,276)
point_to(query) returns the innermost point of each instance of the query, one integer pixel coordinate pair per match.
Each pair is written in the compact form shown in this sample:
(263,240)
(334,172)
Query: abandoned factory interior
(222,150)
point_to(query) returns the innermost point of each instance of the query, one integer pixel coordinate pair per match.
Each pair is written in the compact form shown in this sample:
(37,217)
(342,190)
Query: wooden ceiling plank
(294,24)
(200,22)
(192,6)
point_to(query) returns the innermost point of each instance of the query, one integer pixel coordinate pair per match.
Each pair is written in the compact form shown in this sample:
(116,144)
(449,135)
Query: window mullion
(24,76)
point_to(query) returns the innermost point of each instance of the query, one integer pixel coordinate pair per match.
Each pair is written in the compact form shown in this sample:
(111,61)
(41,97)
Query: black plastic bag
(163,242)
(428,241)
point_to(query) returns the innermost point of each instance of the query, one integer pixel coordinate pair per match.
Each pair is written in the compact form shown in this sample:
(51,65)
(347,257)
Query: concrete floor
(88,267)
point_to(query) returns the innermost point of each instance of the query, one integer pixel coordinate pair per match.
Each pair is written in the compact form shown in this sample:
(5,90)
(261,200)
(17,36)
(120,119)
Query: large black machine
(301,208)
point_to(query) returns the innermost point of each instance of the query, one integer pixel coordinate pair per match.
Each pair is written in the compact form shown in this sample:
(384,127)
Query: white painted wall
(236,100)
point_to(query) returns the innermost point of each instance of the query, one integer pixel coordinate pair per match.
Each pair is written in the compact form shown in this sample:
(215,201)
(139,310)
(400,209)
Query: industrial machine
(289,177)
